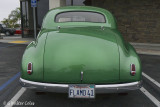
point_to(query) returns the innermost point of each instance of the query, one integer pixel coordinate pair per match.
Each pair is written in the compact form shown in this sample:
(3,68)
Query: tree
(13,19)
(6,22)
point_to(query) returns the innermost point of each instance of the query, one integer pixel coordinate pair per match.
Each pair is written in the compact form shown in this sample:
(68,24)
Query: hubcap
(7,33)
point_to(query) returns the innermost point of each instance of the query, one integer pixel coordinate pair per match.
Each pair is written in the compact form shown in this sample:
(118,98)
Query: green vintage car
(79,50)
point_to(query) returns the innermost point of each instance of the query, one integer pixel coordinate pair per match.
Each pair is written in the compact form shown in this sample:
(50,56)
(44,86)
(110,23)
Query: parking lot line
(151,79)
(15,98)
(150,96)
(9,81)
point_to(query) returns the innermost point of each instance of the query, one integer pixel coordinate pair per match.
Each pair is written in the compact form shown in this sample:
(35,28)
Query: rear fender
(34,53)
(128,56)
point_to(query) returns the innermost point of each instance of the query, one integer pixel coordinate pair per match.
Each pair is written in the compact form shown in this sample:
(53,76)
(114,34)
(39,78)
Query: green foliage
(13,19)
(6,22)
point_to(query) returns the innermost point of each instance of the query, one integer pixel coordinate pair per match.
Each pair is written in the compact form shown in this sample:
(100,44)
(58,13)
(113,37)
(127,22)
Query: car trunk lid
(70,51)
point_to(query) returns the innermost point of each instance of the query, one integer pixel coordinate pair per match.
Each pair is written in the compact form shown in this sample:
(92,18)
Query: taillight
(133,69)
(29,68)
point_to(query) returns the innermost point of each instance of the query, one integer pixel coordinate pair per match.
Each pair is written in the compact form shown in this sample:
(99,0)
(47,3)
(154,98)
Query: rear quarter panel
(128,56)
(34,53)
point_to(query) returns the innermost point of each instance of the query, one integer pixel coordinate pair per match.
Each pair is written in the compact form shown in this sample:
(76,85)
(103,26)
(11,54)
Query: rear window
(80,17)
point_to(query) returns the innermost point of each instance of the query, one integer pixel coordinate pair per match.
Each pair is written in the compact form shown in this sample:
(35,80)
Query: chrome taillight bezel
(132,69)
(30,71)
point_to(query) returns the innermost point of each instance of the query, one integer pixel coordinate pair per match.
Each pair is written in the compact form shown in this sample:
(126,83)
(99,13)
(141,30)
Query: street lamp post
(34,5)
(71,2)
(34,18)
(22,26)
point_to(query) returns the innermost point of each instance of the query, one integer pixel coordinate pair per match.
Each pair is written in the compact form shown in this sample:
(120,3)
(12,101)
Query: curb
(144,44)
(147,53)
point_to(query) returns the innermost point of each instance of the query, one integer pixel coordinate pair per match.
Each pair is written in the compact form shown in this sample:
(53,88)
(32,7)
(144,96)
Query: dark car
(6,31)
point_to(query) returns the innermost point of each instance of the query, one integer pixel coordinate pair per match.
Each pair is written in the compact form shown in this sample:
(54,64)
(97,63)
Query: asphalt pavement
(11,91)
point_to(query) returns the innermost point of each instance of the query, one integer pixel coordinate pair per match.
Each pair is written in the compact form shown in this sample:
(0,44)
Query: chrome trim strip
(117,85)
(43,84)
(63,88)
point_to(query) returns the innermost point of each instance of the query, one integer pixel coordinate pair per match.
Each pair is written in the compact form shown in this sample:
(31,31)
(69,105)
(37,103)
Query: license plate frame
(84,89)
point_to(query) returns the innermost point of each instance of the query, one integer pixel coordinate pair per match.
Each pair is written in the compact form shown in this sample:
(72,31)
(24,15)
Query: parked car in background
(80,51)
(18,31)
(6,31)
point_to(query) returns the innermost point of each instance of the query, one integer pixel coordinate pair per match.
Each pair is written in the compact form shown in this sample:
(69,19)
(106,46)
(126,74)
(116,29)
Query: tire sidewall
(7,33)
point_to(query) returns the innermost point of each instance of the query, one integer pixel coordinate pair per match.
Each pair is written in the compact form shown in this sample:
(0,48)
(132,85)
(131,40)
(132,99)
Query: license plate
(81,91)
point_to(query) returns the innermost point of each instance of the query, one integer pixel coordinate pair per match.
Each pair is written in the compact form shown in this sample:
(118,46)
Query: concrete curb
(147,52)
(147,48)
(144,44)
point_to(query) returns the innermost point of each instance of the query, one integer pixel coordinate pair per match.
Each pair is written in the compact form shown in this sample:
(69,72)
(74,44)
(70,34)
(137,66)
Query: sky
(6,6)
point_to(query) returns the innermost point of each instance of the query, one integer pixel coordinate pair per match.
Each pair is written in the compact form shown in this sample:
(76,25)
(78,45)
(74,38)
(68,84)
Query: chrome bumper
(63,88)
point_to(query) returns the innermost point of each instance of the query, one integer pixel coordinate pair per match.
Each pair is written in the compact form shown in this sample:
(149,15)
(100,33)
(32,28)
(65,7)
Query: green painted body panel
(97,49)
(70,51)
(34,53)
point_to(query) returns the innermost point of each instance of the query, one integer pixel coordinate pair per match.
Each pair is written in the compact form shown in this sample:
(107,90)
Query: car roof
(49,22)
(80,8)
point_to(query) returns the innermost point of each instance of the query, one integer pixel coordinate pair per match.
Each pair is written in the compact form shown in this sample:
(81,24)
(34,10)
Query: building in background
(43,6)
(138,20)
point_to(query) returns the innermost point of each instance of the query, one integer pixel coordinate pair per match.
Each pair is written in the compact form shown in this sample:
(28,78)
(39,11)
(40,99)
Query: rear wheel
(7,33)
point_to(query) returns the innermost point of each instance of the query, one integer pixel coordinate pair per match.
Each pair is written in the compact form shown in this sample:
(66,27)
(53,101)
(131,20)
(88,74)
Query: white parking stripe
(152,98)
(152,80)
(15,98)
